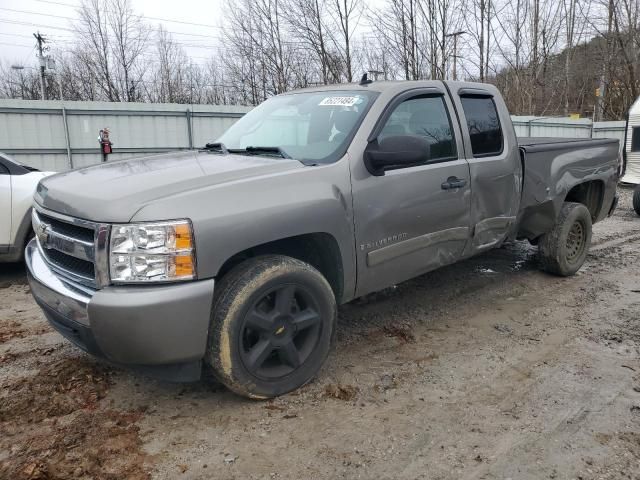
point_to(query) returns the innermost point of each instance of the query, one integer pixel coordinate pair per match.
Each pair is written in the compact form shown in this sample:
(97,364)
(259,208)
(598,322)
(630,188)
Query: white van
(632,146)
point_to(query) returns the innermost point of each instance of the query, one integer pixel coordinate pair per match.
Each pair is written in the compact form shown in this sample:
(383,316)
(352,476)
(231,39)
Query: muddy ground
(487,369)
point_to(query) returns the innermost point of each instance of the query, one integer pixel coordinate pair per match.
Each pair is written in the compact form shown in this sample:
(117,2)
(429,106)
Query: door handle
(453,182)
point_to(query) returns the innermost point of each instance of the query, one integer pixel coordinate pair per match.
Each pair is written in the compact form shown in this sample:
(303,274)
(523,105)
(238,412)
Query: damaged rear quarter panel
(553,169)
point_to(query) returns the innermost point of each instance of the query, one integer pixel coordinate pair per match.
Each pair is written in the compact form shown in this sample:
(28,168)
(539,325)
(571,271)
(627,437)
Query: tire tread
(551,244)
(231,285)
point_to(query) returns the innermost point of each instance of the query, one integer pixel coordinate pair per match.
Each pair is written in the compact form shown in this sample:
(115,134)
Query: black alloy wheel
(280,331)
(272,323)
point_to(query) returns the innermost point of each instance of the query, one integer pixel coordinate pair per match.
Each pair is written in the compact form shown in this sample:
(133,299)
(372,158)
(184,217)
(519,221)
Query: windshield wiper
(262,151)
(216,147)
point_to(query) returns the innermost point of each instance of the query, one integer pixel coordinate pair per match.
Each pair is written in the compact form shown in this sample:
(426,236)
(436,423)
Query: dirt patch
(341,392)
(60,388)
(86,444)
(11,330)
(402,332)
(54,427)
(39,352)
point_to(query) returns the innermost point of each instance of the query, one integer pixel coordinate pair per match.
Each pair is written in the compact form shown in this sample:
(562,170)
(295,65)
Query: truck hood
(115,191)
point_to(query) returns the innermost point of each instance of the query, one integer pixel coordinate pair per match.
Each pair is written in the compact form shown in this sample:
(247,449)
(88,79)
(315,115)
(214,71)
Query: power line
(29,24)
(35,13)
(77,19)
(190,45)
(183,22)
(16,45)
(15,35)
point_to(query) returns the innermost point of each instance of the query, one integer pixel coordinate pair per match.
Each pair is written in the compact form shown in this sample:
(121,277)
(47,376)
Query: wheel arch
(319,249)
(23,234)
(590,194)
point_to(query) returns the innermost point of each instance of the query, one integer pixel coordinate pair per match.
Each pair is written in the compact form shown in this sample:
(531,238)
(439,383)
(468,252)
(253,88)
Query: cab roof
(395,85)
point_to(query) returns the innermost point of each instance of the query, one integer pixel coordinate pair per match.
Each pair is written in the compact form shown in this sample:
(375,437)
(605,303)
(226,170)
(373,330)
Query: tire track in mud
(615,242)
(518,382)
(586,403)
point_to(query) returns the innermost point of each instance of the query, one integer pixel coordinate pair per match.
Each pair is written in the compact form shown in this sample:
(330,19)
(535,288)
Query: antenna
(365,80)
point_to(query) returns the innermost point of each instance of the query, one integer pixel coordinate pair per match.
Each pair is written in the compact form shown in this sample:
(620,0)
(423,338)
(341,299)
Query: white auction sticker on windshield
(339,101)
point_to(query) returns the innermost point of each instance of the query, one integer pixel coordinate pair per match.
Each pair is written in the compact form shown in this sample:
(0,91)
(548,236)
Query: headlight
(152,252)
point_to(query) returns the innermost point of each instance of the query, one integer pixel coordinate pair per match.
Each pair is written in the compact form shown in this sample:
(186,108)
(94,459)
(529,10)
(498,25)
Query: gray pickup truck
(236,256)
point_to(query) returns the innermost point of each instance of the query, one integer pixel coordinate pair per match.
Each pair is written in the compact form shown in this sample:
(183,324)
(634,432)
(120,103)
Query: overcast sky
(194,23)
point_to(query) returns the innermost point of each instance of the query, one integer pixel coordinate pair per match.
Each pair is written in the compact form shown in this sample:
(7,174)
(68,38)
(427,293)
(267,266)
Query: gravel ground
(487,369)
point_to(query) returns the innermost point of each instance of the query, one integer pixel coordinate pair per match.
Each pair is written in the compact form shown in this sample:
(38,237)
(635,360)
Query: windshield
(312,127)
(10,159)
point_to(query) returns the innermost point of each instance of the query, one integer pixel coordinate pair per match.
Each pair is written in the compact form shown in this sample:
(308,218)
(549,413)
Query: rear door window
(483,124)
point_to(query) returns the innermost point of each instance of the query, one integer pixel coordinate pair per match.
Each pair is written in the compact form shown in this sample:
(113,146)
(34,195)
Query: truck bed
(551,166)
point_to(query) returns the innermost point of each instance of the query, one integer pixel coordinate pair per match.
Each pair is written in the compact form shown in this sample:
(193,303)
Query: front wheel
(271,326)
(563,250)
(636,200)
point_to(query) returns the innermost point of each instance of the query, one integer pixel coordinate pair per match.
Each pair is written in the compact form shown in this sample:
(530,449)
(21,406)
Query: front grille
(71,264)
(68,229)
(68,245)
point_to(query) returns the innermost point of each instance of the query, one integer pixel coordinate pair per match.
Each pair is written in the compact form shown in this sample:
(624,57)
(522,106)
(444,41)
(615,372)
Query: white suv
(17,185)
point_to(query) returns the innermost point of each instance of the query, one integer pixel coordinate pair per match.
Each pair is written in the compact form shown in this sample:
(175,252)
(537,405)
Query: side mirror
(396,151)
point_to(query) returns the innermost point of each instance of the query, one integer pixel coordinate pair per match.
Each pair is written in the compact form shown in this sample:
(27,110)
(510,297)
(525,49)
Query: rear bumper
(159,330)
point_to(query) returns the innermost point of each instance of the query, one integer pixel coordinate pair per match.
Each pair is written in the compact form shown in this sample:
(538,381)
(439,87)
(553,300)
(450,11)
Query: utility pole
(455,36)
(41,41)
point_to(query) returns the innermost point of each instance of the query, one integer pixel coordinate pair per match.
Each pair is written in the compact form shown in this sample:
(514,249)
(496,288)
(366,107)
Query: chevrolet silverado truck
(234,258)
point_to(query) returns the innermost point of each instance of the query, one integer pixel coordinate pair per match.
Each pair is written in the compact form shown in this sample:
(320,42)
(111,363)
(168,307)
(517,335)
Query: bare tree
(308,24)
(171,70)
(130,39)
(397,25)
(477,21)
(347,14)
(256,33)
(112,40)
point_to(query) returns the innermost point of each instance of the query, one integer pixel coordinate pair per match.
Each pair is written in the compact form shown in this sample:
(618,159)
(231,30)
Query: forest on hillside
(548,57)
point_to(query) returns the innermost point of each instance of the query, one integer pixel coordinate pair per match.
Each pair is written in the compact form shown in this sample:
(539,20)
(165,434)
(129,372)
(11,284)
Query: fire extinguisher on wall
(105,143)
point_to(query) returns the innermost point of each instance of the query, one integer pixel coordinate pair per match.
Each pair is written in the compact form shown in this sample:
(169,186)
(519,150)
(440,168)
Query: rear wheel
(564,249)
(271,327)
(636,200)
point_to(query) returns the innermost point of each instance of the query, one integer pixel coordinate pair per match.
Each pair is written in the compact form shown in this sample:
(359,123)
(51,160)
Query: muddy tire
(636,199)
(564,249)
(272,323)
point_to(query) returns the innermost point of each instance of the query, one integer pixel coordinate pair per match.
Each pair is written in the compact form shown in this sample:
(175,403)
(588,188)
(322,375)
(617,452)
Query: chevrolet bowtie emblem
(42,233)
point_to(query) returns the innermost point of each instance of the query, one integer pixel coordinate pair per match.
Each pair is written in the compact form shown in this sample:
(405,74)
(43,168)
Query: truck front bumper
(159,330)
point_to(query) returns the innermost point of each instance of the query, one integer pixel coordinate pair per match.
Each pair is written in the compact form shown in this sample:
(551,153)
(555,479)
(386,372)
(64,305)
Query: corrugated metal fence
(56,136)
(567,127)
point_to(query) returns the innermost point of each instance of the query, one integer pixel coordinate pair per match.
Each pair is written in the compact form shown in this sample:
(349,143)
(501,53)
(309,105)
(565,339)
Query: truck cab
(462,199)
